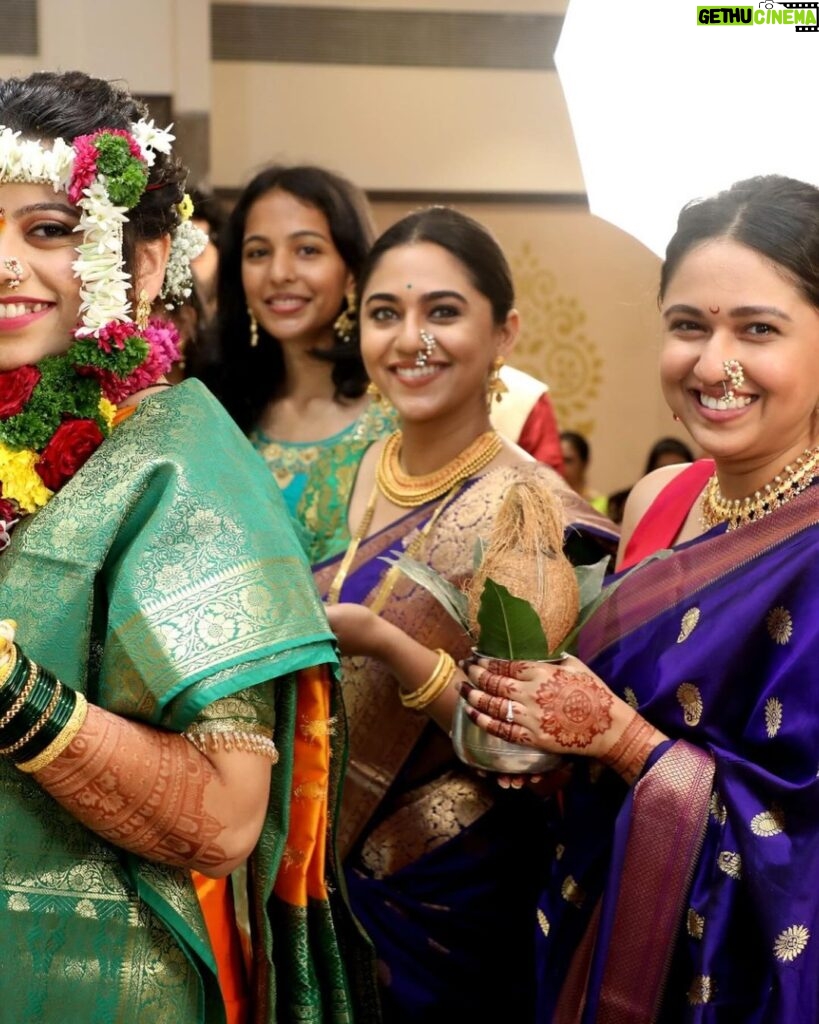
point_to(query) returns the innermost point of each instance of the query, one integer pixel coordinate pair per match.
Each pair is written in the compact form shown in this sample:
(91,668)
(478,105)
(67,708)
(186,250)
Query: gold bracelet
(59,743)
(417,700)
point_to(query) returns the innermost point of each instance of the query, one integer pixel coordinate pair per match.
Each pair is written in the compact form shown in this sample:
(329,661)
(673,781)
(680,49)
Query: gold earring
(344,324)
(254,328)
(496,388)
(374,393)
(143,310)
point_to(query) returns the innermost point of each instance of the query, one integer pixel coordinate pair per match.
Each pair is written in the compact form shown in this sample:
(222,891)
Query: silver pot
(480,749)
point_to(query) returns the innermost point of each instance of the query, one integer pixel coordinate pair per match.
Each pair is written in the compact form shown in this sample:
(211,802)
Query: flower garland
(54,415)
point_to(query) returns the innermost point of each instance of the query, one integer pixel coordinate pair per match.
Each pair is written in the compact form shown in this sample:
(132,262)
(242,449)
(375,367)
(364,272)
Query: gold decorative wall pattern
(553,345)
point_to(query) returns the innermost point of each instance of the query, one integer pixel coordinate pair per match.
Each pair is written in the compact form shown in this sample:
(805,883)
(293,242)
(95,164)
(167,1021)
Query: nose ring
(736,378)
(14,267)
(429,342)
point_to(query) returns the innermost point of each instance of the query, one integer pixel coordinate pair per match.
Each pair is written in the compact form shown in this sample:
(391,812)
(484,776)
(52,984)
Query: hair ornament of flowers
(54,415)
(187,242)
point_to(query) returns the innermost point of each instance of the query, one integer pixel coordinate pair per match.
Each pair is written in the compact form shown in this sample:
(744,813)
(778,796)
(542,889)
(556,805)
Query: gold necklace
(410,491)
(795,477)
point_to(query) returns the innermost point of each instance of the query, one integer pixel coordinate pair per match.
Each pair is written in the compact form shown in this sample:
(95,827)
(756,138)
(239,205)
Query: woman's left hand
(356,629)
(562,707)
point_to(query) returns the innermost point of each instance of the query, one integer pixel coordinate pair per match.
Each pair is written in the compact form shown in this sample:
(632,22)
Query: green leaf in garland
(60,394)
(120,361)
(126,176)
(509,627)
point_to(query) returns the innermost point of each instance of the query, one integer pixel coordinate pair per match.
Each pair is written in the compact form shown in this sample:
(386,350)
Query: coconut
(524,553)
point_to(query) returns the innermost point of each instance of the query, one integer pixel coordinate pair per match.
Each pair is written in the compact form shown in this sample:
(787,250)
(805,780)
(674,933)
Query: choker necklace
(410,491)
(794,479)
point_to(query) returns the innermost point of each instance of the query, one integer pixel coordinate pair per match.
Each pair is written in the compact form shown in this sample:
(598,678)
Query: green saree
(153,584)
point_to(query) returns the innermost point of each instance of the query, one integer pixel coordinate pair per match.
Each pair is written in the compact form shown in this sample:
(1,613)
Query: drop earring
(496,387)
(254,329)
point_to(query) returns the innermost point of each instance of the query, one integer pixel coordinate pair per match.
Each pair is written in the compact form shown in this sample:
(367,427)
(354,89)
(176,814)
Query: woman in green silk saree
(170,650)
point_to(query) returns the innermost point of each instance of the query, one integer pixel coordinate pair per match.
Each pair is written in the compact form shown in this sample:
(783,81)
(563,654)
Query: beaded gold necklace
(794,479)
(411,491)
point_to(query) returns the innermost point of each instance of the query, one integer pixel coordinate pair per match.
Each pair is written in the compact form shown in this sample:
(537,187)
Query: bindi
(713,309)
(576,708)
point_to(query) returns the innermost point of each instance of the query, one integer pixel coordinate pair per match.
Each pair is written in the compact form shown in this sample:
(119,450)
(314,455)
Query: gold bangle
(417,700)
(59,743)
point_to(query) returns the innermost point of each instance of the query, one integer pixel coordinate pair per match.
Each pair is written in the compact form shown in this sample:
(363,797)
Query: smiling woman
(285,359)
(158,650)
(681,892)
(429,847)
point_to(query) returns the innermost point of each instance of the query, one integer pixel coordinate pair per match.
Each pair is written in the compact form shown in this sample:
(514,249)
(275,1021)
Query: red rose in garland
(71,445)
(16,387)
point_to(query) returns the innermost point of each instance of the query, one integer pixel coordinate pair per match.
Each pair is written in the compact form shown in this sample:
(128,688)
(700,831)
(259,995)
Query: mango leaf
(447,594)
(509,627)
(590,580)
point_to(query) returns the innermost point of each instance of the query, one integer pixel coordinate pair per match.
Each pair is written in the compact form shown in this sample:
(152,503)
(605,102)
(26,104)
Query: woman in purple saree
(684,884)
(438,860)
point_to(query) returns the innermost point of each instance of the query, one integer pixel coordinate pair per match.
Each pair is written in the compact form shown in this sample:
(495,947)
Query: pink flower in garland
(163,343)
(114,335)
(85,167)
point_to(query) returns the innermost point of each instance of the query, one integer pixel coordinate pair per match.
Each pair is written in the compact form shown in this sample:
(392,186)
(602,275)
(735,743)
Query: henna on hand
(631,751)
(510,731)
(576,708)
(143,790)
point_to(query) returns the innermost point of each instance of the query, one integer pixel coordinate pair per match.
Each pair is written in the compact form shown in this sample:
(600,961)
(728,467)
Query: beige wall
(586,290)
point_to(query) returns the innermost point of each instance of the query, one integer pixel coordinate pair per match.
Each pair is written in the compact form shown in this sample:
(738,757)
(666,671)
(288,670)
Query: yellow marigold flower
(20,480)
(107,410)
(185,208)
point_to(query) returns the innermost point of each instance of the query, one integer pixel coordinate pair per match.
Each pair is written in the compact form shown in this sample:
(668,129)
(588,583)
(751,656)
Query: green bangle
(23,748)
(10,690)
(39,691)
(54,720)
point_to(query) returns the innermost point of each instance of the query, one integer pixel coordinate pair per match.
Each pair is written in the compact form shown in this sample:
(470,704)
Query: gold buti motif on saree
(630,697)
(314,731)
(780,625)
(717,809)
(572,892)
(700,991)
(543,922)
(690,701)
(695,924)
(731,863)
(791,942)
(768,823)
(688,624)
(773,716)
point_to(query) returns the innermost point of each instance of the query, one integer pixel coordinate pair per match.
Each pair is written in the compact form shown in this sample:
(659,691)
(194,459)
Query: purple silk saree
(717,646)
(443,868)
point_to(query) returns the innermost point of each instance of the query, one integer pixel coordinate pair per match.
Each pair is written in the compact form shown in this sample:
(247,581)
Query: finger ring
(510,711)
